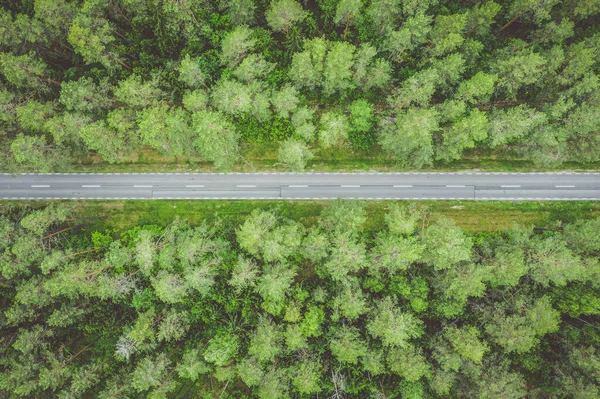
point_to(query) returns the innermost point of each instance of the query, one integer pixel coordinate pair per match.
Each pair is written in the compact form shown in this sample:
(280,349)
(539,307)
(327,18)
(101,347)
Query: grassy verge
(263,157)
(474,216)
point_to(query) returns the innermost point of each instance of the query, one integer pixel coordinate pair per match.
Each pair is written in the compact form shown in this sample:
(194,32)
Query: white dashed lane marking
(40,186)
(91,186)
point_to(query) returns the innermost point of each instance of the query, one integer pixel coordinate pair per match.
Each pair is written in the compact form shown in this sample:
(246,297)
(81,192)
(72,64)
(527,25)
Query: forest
(421,82)
(270,308)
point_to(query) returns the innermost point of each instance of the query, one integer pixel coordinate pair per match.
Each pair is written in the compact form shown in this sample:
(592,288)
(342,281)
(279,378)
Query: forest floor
(473,216)
(263,157)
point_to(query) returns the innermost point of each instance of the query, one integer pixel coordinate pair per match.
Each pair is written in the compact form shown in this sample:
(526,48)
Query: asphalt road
(415,186)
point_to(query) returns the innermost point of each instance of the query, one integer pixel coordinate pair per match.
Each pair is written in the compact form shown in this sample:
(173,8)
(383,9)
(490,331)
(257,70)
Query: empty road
(414,186)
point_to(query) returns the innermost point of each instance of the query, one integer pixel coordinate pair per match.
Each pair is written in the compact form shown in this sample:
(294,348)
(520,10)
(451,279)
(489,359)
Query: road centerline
(409,185)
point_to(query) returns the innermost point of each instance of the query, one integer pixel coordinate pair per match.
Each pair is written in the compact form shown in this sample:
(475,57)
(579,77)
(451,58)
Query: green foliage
(393,327)
(267,307)
(408,136)
(284,13)
(361,123)
(294,154)
(236,44)
(222,348)
(334,129)
(133,75)
(215,138)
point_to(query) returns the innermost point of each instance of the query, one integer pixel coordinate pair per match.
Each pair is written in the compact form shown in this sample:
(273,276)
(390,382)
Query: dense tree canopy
(271,308)
(421,82)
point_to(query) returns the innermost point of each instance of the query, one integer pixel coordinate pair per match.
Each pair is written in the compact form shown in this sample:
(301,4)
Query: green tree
(282,14)
(306,376)
(361,116)
(346,14)
(478,89)
(240,11)
(347,345)
(253,68)
(350,302)
(169,287)
(34,152)
(466,342)
(463,134)
(232,97)
(265,342)
(236,45)
(370,72)
(191,365)
(536,10)
(507,126)
(446,244)
(150,372)
(481,17)
(498,381)
(191,74)
(418,89)
(411,35)
(93,39)
(333,129)
(294,337)
(222,348)
(84,95)
(508,266)
(215,138)
(409,363)
(25,71)
(394,254)
(111,145)
(173,326)
(337,70)
(384,14)
(294,154)
(274,283)
(33,115)
(166,129)
(402,220)
(408,136)
(447,34)
(285,101)
(551,262)
(244,274)
(137,94)
(516,71)
(347,255)
(394,327)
